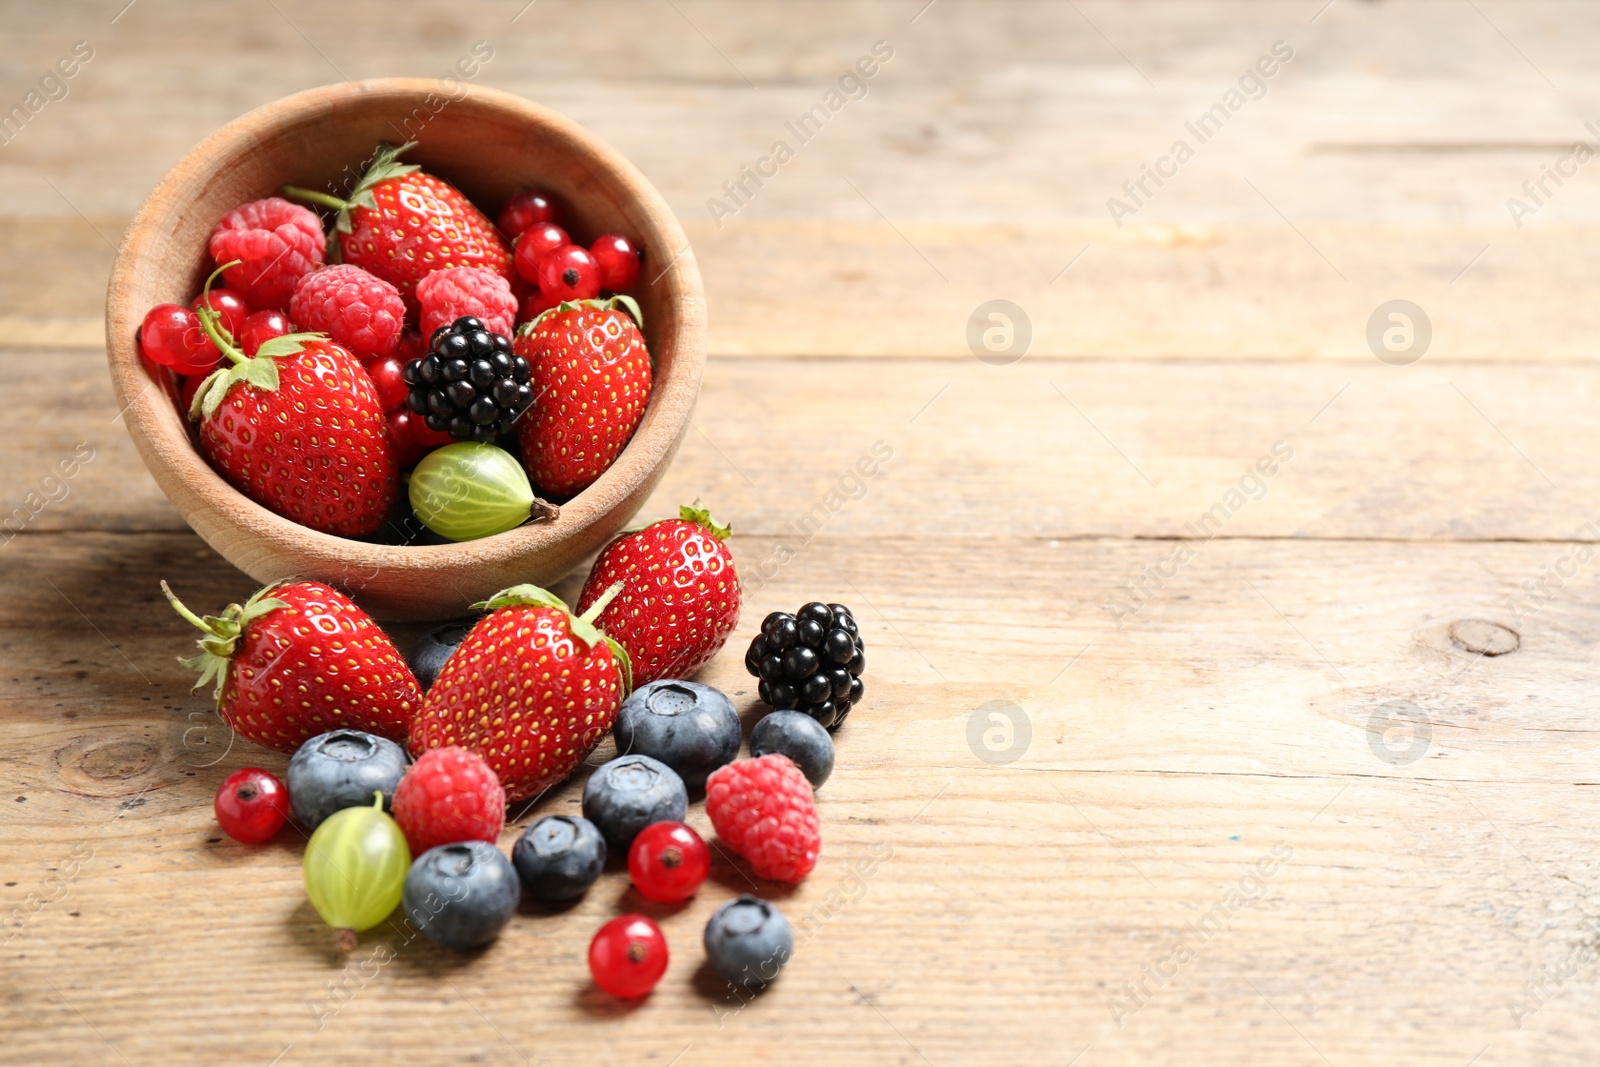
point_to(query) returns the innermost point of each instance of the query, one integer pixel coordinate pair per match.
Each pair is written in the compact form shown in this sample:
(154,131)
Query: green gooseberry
(469,490)
(355,867)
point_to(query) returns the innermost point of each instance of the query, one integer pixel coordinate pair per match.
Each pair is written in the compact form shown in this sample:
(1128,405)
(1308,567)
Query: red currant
(191,386)
(171,336)
(537,305)
(229,305)
(668,861)
(525,209)
(535,241)
(386,376)
(569,273)
(260,327)
(252,805)
(619,260)
(412,437)
(628,956)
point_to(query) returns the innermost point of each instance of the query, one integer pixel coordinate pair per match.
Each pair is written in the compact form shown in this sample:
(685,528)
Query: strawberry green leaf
(522,595)
(628,304)
(702,517)
(624,665)
(261,373)
(288,344)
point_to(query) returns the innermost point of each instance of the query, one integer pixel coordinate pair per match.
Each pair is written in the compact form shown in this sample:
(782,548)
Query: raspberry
(764,808)
(449,294)
(279,243)
(449,795)
(358,310)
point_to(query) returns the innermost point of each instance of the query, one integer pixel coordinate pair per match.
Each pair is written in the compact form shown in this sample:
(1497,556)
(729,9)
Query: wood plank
(1164,764)
(929,202)
(1048,449)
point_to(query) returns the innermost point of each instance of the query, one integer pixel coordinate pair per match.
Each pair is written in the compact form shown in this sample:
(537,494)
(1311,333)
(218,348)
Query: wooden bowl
(489,144)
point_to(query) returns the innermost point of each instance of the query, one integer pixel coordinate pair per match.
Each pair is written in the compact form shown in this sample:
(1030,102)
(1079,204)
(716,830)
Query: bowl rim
(212,506)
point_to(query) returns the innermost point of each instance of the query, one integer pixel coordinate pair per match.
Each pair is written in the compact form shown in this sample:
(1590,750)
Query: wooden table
(1164,760)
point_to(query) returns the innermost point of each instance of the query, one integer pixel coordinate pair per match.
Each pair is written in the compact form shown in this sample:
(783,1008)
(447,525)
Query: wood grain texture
(1275,806)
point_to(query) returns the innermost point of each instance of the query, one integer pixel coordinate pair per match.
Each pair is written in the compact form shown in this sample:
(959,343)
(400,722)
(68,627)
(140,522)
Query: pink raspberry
(446,295)
(358,310)
(279,243)
(449,795)
(765,810)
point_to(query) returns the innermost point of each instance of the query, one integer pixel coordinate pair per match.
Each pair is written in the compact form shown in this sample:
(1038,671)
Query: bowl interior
(488,144)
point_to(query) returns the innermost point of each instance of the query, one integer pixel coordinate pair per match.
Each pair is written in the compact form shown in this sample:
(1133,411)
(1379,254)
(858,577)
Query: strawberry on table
(299,659)
(532,689)
(591,383)
(269,245)
(679,596)
(299,429)
(402,224)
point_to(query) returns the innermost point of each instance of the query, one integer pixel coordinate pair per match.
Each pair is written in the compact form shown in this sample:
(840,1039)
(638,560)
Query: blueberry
(559,857)
(461,895)
(629,793)
(748,941)
(798,736)
(341,769)
(692,728)
(433,648)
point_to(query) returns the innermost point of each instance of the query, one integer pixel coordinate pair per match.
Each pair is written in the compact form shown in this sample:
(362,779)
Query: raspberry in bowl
(324,140)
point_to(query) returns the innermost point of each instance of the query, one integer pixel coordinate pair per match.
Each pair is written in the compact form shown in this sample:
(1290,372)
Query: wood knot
(107,767)
(1484,638)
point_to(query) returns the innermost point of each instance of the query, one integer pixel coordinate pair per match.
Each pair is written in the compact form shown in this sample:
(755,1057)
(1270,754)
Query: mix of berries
(477,365)
(810,661)
(326,364)
(513,704)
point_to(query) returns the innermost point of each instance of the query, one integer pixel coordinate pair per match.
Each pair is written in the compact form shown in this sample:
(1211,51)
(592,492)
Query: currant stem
(311,196)
(211,322)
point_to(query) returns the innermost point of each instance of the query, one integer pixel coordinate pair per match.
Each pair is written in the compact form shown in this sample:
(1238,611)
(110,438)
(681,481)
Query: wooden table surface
(1165,759)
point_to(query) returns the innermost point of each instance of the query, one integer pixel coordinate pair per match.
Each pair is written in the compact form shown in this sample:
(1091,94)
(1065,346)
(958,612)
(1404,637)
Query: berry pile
(425,834)
(469,384)
(810,661)
(400,319)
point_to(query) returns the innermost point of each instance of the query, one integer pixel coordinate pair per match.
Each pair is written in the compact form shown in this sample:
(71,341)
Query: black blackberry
(470,384)
(810,661)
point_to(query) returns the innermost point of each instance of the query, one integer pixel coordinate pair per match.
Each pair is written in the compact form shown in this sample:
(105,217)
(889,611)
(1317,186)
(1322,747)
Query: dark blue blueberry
(629,793)
(461,895)
(798,736)
(342,769)
(692,728)
(559,857)
(433,648)
(748,941)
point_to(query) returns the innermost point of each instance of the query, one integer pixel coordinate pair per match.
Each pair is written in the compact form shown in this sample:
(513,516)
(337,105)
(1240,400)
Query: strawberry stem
(311,196)
(185,613)
(601,604)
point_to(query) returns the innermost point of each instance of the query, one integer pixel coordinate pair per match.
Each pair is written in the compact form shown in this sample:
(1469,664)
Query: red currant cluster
(548,259)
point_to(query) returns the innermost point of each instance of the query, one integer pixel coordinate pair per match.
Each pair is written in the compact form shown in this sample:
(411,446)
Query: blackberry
(810,661)
(470,384)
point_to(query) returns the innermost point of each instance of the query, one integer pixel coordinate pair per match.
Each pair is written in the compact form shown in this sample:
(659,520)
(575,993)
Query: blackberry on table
(810,661)
(470,384)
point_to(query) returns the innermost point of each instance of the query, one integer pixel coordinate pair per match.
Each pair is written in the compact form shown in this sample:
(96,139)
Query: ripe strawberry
(679,599)
(299,429)
(532,689)
(591,382)
(299,659)
(402,224)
